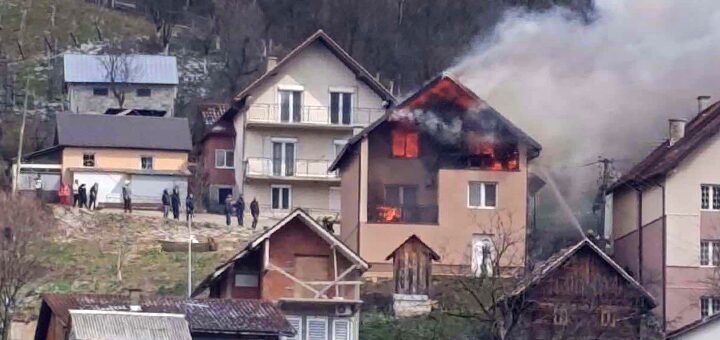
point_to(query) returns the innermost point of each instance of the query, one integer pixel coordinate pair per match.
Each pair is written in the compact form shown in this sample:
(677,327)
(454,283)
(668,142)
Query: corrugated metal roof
(106,325)
(230,316)
(146,69)
(137,132)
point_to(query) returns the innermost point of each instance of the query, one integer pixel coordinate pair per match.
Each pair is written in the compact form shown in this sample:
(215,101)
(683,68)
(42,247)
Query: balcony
(299,169)
(402,214)
(310,116)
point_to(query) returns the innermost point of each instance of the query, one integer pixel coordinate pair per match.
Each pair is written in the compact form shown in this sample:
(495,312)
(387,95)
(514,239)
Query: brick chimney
(676,130)
(270,63)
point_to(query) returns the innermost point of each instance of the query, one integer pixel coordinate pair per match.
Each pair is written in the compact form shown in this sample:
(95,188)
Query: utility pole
(20,142)
(189,257)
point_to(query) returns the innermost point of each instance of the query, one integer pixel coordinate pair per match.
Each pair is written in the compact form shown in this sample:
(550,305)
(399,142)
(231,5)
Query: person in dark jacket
(189,207)
(83,195)
(175,201)
(240,210)
(254,211)
(127,197)
(165,203)
(93,196)
(228,209)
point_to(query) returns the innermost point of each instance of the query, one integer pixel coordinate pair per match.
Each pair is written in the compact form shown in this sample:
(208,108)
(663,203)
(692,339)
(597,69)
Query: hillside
(83,255)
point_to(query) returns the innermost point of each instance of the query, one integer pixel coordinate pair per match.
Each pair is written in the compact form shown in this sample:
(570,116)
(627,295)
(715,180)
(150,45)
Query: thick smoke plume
(606,87)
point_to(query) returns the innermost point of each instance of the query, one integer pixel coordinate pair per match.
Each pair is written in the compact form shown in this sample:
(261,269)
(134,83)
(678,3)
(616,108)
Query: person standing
(93,196)
(240,210)
(38,187)
(175,201)
(127,197)
(255,212)
(64,194)
(83,195)
(166,203)
(189,207)
(228,209)
(76,193)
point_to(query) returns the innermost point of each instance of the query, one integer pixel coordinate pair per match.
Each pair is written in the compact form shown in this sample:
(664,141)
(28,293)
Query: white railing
(320,115)
(261,166)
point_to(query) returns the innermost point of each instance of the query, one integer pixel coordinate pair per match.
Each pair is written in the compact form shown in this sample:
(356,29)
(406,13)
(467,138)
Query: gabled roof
(545,268)
(255,242)
(322,37)
(666,157)
(129,132)
(92,325)
(145,69)
(461,95)
(221,316)
(414,238)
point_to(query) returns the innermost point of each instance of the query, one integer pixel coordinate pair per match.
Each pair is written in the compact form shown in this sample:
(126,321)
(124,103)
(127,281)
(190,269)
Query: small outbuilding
(412,276)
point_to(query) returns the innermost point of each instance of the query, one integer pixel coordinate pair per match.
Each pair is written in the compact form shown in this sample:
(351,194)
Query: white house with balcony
(292,121)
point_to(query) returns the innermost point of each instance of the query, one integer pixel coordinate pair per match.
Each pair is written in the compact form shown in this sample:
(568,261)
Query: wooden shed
(412,266)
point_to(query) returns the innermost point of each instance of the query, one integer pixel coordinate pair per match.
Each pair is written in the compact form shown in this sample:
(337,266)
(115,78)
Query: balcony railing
(388,213)
(320,115)
(311,168)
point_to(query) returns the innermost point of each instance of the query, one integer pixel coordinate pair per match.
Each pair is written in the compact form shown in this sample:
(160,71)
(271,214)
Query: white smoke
(600,88)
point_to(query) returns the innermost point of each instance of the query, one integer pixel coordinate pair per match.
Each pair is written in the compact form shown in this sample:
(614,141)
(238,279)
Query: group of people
(239,208)
(80,196)
(172,202)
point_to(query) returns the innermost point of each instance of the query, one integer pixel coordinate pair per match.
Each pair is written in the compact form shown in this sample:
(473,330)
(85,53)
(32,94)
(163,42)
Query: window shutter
(317,329)
(295,322)
(341,330)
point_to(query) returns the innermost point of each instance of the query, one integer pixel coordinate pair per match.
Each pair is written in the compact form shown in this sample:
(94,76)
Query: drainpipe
(640,235)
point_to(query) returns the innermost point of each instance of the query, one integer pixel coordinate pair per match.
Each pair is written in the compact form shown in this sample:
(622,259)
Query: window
(143,92)
(283,161)
(710,197)
(710,253)
(607,318)
(146,162)
(401,195)
(560,316)
(482,195)
(317,328)
(290,106)
(709,306)
(224,159)
(482,255)
(342,329)
(89,160)
(246,280)
(295,322)
(340,108)
(405,144)
(280,197)
(100,91)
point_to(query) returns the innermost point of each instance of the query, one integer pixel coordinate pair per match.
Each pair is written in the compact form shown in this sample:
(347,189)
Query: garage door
(109,185)
(149,189)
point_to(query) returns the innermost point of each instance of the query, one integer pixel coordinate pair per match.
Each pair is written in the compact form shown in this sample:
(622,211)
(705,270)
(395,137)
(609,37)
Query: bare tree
(24,227)
(120,71)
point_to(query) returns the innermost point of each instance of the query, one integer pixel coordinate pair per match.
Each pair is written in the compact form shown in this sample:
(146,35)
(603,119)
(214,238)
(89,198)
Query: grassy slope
(83,256)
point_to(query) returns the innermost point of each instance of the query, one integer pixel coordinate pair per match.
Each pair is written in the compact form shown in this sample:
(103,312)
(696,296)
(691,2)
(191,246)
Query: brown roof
(666,157)
(211,112)
(555,261)
(414,238)
(448,89)
(227,316)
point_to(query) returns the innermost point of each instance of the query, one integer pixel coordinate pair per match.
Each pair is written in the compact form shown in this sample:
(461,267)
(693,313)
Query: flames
(389,214)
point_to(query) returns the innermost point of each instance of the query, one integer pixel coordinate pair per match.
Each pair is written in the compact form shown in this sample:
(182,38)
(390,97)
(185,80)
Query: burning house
(443,165)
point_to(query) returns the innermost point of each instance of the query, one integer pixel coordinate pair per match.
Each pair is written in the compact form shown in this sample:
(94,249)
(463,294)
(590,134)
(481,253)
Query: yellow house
(150,152)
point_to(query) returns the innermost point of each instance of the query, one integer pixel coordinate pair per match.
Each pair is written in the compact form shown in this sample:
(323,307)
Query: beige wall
(625,212)
(349,195)
(123,159)
(652,204)
(82,100)
(452,237)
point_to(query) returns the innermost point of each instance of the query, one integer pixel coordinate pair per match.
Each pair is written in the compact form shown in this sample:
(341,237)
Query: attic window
(405,144)
(607,318)
(560,316)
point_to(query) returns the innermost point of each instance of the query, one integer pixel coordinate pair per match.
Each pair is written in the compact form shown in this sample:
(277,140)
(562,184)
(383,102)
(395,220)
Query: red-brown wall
(217,176)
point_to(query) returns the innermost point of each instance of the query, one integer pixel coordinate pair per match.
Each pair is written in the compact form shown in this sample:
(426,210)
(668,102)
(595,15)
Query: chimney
(701,102)
(134,295)
(270,63)
(676,130)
